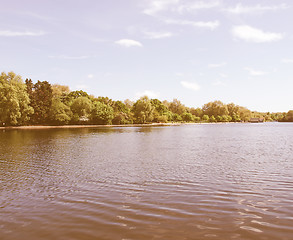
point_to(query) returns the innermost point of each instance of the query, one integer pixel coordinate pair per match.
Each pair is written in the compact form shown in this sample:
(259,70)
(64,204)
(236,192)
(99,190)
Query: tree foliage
(42,103)
(101,113)
(81,106)
(14,100)
(143,110)
(41,96)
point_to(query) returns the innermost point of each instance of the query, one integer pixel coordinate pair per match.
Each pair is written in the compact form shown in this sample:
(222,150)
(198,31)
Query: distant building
(257,120)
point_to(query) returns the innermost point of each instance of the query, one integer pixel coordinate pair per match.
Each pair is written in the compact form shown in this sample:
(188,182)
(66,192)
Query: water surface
(216,181)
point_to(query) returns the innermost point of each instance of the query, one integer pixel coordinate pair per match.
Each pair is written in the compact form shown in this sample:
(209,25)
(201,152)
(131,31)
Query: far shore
(89,126)
(109,126)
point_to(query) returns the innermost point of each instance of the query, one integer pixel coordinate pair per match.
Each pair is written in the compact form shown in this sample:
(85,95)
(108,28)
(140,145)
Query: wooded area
(40,103)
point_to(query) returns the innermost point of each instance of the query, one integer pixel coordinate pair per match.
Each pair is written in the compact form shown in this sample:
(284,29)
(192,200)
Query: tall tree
(41,96)
(81,107)
(177,107)
(60,91)
(60,114)
(143,110)
(14,100)
(122,113)
(101,113)
(216,108)
(161,112)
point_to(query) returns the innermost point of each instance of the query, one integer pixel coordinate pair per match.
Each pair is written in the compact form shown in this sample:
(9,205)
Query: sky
(195,51)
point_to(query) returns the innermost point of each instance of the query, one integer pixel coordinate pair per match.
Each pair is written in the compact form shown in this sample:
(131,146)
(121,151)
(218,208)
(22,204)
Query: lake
(209,181)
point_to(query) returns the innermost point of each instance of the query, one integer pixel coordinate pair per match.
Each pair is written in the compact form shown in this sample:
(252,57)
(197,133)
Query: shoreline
(112,126)
(89,126)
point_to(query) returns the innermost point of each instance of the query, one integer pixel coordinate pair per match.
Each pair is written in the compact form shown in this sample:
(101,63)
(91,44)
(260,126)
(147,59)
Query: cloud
(216,65)
(21,34)
(128,43)
(70,57)
(287,60)
(190,85)
(159,6)
(256,9)
(211,24)
(149,93)
(198,6)
(158,35)
(251,34)
(254,72)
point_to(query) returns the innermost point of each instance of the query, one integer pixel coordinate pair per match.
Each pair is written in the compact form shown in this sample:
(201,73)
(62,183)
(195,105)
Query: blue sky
(196,51)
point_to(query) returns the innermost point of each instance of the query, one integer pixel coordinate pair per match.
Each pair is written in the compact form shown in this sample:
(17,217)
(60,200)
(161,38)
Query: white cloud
(159,5)
(21,34)
(179,6)
(158,35)
(198,6)
(256,9)
(128,43)
(90,76)
(251,34)
(149,93)
(190,85)
(254,72)
(287,60)
(69,57)
(216,65)
(211,24)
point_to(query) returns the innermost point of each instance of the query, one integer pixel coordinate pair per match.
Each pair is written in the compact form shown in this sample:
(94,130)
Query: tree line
(41,103)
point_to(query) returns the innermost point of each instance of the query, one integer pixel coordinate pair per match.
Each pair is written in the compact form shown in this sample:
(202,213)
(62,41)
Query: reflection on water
(231,181)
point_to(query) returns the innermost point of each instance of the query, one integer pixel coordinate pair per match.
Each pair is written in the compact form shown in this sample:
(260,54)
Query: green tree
(60,91)
(196,119)
(101,113)
(219,118)
(216,108)
(106,100)
(233,109)
(143,110)
(226,118)
(176,117)
(81,108)
(74,95)
(128,103)
(244,114)
(161,112)
(14,100)
(60,114)
(205,118)
(177,107)
(122,113)
(212,119)
(41,96)
(196,112)
(187,117)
